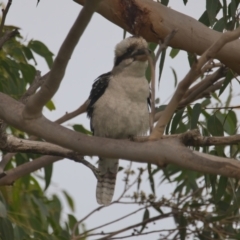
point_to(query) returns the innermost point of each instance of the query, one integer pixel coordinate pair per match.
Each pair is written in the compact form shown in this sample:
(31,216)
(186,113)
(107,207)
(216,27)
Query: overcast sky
(49,23)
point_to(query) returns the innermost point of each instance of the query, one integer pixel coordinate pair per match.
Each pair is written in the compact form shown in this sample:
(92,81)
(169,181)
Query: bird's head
(129,50)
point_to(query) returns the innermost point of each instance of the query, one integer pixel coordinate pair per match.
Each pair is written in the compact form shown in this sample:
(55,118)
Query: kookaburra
(118,106)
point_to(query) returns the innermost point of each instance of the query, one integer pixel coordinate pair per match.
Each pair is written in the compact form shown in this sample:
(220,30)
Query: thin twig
(4,15)
(162,46)
(68,116)
(137,225)
(106,224)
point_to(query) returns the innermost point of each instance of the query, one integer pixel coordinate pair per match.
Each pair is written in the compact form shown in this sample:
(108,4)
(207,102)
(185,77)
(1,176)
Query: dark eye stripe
(126,55)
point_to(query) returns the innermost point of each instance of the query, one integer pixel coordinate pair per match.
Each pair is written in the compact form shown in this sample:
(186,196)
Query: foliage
(26,211)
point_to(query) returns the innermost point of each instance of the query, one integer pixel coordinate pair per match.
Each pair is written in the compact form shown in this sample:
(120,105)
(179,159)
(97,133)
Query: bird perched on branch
(118,106)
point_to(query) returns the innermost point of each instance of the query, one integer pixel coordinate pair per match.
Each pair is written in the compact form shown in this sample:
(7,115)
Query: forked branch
(192,75)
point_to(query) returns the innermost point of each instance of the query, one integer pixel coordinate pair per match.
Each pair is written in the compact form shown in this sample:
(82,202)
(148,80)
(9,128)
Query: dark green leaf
(28,72)
(174,52)
(195,115)
(220,25)
(227,80)
(152,46)
(185,1)
(165,2)
(233,9)
(151,179)
(48,175)
(221,188)
(146,216)
(69,200)
(175,77)
(3,210)
(6,229)
(42,50)
(205,19)
(28,54)
(176,119)
(72,221)
(80,128)
(161,64)
(214,126)
(212,7)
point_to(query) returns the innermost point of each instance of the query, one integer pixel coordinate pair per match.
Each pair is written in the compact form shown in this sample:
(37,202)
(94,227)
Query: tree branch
(36,102)
(199,89)
(154,152)
(4,15)
(137,225)
(194,138)
(13,144)
(68,116)
(154,21)
(192,75)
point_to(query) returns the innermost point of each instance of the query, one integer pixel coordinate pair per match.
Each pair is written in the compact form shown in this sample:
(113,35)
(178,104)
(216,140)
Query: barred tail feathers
(108,169)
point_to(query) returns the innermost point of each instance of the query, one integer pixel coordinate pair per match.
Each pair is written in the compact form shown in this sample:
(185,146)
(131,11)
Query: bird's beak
(141,54)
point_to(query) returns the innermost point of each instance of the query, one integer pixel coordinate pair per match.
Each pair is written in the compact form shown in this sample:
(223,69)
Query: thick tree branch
(12,175)
(194,138)
(36,102)
(13,144)
(155,21)
(154,152)
(192,75)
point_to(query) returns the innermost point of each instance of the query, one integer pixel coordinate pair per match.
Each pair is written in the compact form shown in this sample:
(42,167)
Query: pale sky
(49,23)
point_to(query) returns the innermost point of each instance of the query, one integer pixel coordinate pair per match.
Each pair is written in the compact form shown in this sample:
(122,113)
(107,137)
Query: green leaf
(152,46)
(151,179)
(164,2)
(72,221)
(146,216)
(232,8)
(48,175)
(175,77)
(28,72)
(176,120)
(69,200)
(42,50)
(185,2)
(205,19)
(81,128)
(221,188)
(214,126)
(174,52)
(227,80)
(3,210)
(220,25)
(6,229)
(195,115)
(161,64)
(28,54)
(212,7)
(50,105)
